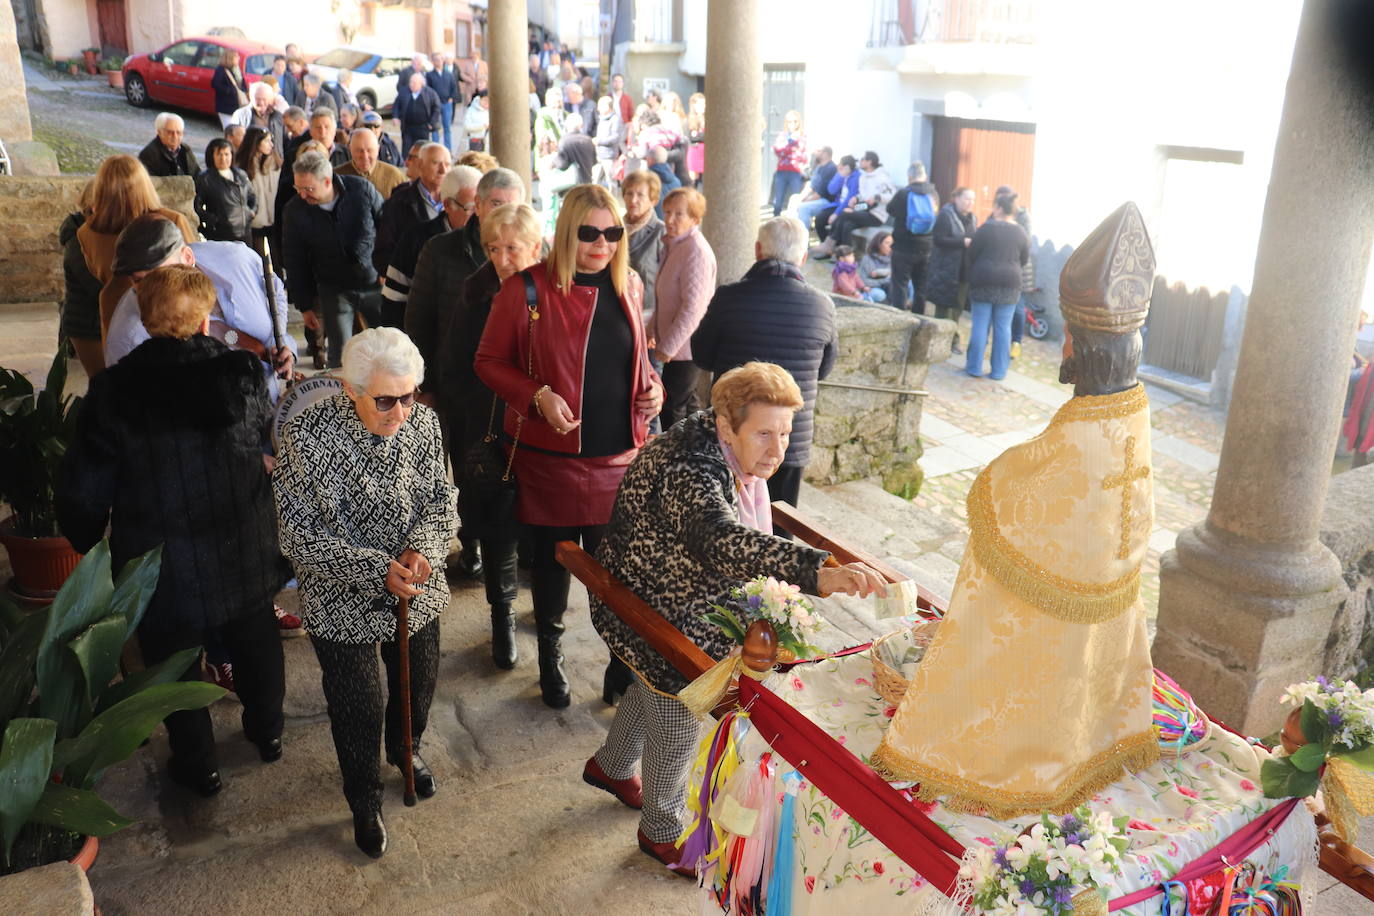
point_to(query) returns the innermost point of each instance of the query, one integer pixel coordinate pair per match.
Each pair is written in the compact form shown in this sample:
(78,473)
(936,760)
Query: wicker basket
(888,682)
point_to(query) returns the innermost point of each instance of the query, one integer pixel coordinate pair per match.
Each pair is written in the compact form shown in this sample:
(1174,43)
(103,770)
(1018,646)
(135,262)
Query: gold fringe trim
(1103,406)
(967,797)
(1061,598)
(1089,903)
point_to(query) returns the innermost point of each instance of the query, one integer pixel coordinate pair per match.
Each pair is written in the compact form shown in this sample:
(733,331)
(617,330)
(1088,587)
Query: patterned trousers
(661,735)
(353,692)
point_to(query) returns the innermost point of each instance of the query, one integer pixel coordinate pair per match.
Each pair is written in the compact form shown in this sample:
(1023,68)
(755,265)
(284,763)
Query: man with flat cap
(240,318)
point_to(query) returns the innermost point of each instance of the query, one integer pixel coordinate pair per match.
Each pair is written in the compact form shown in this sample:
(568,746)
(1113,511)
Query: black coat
(419,111)
(161,164)
(227,89)
(949,259)
(331,247)
(999,249)
(902,240)
(225,206)
(445,85)
(403,211)
(168,450)
(445,263)
(774,315)
(286,188)
(389,152)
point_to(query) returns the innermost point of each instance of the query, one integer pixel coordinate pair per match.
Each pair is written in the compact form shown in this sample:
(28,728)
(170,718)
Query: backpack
(920,213)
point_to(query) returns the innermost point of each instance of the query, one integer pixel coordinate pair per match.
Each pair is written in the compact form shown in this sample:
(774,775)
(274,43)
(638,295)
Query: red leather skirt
(556,491)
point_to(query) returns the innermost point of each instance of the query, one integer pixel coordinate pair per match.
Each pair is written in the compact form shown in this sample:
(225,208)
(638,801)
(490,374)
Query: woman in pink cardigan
(686,282)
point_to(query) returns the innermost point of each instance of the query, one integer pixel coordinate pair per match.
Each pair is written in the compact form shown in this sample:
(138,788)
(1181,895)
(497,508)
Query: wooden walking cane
(408,749)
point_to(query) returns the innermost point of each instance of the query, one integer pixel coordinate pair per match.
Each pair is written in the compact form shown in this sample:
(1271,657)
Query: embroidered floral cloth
(1035,691)
(1179,809)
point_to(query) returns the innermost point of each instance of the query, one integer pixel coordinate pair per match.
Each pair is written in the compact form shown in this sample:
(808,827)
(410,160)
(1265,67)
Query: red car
(179,74)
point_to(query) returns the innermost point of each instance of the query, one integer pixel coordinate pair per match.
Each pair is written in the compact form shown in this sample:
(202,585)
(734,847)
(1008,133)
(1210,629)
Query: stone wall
(32,210)
(1348,529)
(862,433)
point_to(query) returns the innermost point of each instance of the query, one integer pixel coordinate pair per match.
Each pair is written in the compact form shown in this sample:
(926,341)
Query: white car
(374,72)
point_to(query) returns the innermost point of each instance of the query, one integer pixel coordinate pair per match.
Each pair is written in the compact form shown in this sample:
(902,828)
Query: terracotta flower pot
(85,857)
(91,60)
(116,78)
(40,565)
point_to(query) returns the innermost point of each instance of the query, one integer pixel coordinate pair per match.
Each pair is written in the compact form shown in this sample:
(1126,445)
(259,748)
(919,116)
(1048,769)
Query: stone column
(1248,596)
(14,104)
(507,42)
(734,122)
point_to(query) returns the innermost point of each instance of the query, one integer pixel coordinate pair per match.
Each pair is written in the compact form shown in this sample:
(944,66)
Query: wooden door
(109,16)
(982,155)
(423,31)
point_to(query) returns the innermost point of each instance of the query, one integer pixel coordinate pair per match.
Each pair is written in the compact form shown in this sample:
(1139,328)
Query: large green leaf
(1313,722)
(17,666)
(83,599)
(1281,779)
(118,731)
(97,652)
(1308,758)
(135,586)
(166,671)
(78,810)
(25,763)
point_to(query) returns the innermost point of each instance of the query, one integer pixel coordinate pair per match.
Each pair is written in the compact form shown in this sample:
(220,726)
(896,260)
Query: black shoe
(269,750)
(370,833)
(470,562)
(318,359)
(553,681)
(205,783)
(503,653)
(425,783)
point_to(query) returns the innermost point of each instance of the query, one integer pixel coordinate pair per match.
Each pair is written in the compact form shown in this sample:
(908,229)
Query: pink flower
(1247,785)
(985,841)
(797,683)
(836,814)
(1134,824)
(890,711)
(810,883)
(863,681)
(1184,790)
(878,868)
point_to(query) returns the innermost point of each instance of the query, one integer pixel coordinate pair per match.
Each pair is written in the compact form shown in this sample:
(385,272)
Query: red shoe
(289,623)
(629,791)
(667,853)
(223,676)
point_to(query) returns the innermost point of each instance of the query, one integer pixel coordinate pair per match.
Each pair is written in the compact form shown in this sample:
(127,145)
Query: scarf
(755,510)
(632,228)
(844,267)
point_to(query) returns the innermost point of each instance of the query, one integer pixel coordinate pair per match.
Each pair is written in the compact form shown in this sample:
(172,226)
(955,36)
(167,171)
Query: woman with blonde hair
(120,193)
(790,148)
(696,138)
(574,373)
(512,242)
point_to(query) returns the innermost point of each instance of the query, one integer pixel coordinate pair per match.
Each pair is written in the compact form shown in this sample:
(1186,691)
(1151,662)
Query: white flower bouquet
(780,603)
(1337,720)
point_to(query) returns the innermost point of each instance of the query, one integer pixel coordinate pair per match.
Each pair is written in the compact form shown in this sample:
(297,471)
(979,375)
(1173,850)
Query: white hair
(573,123)
(345,77)
(264,87)
(460,178)
(385,350)
(166,118)
(783,238)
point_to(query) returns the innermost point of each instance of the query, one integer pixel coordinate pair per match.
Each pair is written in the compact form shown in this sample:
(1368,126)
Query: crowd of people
(477,341)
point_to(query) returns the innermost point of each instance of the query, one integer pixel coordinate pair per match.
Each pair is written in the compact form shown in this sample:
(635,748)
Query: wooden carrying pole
(407,746)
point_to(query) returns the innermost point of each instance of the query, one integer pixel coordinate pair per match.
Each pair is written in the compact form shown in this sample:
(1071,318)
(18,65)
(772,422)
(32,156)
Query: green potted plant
(35,428)
(65,719)
(114,71)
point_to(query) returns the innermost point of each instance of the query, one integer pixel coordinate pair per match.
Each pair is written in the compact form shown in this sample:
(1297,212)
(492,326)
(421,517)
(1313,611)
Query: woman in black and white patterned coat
(692,521)
(365,513)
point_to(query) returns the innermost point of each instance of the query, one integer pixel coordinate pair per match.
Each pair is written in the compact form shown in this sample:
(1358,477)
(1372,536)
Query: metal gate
(784,90)
(1184,330)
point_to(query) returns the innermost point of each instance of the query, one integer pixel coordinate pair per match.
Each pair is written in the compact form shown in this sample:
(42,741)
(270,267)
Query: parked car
(374,72)
(179,74)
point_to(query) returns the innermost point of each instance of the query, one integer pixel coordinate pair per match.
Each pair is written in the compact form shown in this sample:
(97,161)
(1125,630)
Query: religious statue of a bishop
(1035,692)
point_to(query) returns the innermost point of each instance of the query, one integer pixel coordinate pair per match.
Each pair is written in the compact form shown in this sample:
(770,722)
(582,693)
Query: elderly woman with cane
(365,513)
(691,521)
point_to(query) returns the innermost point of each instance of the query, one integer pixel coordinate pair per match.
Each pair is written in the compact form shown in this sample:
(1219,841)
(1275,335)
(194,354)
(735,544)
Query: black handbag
(486,479)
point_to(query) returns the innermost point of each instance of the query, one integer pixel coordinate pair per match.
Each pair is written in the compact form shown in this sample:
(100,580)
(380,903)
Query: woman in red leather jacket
(579,396)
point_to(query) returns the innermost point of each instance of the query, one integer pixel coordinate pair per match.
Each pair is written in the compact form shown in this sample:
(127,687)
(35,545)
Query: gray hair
(782,238)
(459,178)
(363,132)
(266,87)
(916,171)
(573,123)
(293,113)
(313,164)
(323,114)
(310,79)
(499,179)
(385,350)
(166,118)
(344,77)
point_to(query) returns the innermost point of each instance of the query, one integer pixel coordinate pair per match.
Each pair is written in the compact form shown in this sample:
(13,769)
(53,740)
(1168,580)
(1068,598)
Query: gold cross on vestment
(1123,480)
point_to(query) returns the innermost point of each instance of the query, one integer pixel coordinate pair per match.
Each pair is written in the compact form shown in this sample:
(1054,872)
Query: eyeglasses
(387,401)
(590,234)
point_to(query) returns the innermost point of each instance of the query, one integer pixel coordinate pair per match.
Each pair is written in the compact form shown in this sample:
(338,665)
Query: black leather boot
(503,636)
(370,833)
(553,681)
(550,592)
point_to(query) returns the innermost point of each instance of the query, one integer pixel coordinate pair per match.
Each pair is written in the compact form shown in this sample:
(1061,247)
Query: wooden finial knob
(760,646)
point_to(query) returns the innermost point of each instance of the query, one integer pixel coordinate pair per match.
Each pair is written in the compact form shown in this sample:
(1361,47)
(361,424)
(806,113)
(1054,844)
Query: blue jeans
(999,316)
(1018,320)
(447,117)
(807,212)
(785,184)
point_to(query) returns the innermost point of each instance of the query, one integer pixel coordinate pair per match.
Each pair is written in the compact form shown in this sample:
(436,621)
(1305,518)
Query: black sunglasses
(387,401)
(590,234)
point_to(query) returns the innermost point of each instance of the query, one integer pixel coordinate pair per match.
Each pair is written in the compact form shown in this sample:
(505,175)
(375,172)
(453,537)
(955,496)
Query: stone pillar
(1248,596)
(14,104)
(507,43)
(734,122)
